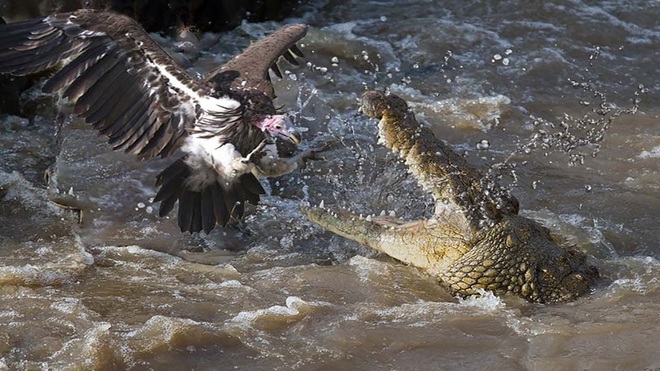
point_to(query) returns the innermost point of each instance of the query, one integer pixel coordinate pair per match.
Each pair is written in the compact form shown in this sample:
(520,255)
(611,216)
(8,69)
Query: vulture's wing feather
(118,79)
(249,70)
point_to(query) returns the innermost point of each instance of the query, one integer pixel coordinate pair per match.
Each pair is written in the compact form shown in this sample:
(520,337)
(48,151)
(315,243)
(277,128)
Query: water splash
(573,135)
(578,137)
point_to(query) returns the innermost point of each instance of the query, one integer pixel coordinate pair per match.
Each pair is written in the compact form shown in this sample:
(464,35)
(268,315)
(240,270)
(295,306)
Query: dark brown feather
(219,206)
(120,111)
(142,137)
(186,207)
(159,139)
(207,212)
(119,136)
(196,217)
(137,105)
(137,131)
(99,94)
(87,79)
(73,69)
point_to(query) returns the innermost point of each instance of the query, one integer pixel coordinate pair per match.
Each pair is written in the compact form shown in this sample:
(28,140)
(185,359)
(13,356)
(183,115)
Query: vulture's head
(260,112)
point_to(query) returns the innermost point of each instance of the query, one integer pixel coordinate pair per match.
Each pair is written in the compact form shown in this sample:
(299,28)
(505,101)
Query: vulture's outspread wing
(128,88)
(249,70)
(118,79)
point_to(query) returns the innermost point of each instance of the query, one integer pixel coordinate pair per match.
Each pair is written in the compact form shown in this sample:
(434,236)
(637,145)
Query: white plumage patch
(212,161)
(207,103)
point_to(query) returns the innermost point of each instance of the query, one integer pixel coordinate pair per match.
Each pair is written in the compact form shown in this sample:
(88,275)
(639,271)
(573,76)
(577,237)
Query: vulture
(224,128)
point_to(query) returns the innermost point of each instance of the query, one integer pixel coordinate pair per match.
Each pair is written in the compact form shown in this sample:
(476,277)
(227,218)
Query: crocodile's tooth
(361,217)
(392,213)
(382,213)
(322,204)
(71,191)
(368,218)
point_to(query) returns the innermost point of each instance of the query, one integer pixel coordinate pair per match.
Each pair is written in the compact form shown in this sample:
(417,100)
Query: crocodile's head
(565,277)
(519,256)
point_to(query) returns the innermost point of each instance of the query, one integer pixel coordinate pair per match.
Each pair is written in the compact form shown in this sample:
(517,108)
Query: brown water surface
(125,289)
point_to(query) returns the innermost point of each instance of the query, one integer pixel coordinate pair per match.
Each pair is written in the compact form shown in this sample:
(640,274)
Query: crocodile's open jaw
(475,241)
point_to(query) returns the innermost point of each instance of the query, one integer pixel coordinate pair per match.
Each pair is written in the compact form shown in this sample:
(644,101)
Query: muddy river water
(126,290)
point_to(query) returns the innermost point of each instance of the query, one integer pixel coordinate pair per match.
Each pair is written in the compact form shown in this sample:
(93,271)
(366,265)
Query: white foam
(484,300)
(294,307)
(232,283)
(652,153)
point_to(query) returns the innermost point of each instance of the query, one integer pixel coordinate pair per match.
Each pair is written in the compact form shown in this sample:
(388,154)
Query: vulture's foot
(310,153)
(276,162)
(243,165)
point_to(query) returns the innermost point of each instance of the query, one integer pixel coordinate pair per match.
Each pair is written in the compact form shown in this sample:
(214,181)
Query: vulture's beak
(291,135)
(280,126)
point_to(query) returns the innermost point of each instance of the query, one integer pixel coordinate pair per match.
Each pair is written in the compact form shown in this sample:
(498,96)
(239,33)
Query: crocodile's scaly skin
(475,241)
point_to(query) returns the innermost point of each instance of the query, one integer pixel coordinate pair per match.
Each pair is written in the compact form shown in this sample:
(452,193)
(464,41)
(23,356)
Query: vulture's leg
(273,163)
(245,164)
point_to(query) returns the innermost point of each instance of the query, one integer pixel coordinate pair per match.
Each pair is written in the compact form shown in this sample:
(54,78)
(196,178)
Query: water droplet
(334,60)
(383,18)
(535,184)
(587,188)
(141,205)
(505,61)
(483,144)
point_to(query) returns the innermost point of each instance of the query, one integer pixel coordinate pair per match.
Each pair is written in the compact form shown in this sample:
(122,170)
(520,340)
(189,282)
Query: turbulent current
(560,100)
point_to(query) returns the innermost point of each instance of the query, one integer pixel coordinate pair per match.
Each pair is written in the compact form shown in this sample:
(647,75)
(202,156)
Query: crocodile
(475,242)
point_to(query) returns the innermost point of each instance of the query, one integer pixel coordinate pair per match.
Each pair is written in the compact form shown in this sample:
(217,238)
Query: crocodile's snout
(375,104)
(566,277)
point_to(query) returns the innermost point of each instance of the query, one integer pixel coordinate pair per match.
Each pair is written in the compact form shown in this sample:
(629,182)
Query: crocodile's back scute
(518,256)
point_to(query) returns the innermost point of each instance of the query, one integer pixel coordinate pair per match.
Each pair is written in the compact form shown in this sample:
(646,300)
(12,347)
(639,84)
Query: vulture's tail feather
(201,210)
